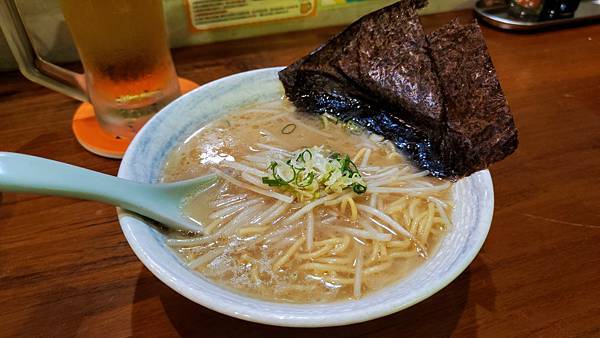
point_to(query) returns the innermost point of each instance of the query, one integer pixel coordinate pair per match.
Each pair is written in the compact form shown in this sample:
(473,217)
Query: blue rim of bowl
(347,318)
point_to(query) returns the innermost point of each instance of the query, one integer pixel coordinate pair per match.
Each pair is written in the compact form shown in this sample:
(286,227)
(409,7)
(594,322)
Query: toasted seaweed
(369,58)
(479,125)
(435,97)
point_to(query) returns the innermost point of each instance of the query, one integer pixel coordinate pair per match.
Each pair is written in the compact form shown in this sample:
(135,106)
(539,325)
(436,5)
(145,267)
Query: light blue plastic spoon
(161,202)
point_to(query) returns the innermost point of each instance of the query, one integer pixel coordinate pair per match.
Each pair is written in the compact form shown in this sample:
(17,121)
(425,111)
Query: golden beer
(123,46)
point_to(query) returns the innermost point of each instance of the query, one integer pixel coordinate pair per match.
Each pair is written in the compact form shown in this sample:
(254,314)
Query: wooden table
(66,269)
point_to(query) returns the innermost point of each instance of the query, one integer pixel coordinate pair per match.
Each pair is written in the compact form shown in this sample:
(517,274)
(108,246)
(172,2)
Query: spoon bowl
(161,202)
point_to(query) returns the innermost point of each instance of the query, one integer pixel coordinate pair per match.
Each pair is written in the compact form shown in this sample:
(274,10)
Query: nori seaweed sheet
(385,74)
(479,125)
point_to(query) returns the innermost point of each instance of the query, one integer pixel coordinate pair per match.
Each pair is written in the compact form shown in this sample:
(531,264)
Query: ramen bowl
(146,156)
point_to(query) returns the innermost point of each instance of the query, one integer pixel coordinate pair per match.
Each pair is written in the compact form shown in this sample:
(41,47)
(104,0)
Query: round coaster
(94,139)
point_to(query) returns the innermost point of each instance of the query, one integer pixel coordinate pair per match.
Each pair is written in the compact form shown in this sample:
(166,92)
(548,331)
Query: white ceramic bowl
(474,199)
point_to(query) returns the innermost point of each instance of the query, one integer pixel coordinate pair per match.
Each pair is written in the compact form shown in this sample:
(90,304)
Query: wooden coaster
(94,139)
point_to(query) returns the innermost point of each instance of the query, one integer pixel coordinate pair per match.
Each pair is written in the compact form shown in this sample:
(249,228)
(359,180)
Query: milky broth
(253,259)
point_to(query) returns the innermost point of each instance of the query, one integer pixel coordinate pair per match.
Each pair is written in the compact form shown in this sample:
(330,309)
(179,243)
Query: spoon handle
(161,202)
(24,173)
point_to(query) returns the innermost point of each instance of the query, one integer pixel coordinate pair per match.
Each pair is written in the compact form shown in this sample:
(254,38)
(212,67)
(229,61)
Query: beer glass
(123,46)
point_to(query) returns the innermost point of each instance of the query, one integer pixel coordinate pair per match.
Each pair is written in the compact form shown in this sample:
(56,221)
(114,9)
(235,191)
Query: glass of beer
(123,46)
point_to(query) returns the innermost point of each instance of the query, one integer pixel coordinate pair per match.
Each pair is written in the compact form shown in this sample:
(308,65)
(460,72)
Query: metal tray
(588,10)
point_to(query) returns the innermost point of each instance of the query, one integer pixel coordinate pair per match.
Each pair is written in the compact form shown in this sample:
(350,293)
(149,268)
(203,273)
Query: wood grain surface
(66,269)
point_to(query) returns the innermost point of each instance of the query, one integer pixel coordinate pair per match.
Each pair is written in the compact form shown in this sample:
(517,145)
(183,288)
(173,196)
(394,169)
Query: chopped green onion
(301,156)
(314,172)
(288,129)
(310,177)
(276,176)
(352,167)
(348,166)
(273,182)
(359,188)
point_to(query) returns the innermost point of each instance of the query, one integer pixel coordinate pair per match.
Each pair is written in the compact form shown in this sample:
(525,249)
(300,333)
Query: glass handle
(31,65)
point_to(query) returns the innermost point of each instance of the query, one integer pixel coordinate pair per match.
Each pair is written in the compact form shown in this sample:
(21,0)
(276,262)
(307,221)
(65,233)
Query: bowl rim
(272,319)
